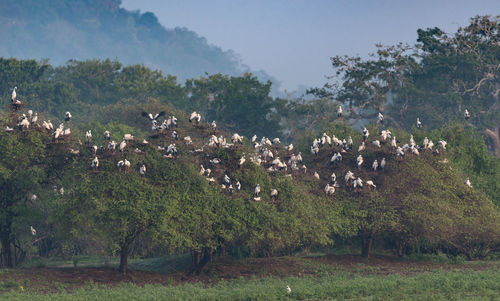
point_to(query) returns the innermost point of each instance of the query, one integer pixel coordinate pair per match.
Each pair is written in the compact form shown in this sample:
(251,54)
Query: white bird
(202,170)
(333,177)
(8,129)
(358,183)
(361,147)
(215,161)
(24,124)
(107,135)
(419,123)
(466,115)
(254,137)
(359,161)
(376,143)
(316,175)
(68,116)
(33,231)
(299,157)
(468,183)
(151,116)
(393,142)
(227,179)
(241,161)
(274,194)
(88,135)
(257,190)
(375,165)
(426,142)
(339,111)
(380,118)
(382,163)
(120,164)
(122,146)
(366,133)
(238,186)
(95,163)
(34,119)
(187,140)
(276,141)
(14,94)
(371,184)
(349,176)
(142,170)
(442,143)
(329,189)
(126,163)
(128,137)
(289,147)
(112,145)
(230,189)
(213,125)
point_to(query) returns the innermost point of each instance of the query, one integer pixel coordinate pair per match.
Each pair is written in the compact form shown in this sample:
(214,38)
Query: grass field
(311,278)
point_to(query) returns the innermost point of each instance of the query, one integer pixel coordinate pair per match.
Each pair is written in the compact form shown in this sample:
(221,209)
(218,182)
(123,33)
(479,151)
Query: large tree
(435,79)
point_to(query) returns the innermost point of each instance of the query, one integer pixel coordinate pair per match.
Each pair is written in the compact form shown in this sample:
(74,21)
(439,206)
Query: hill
(64,30)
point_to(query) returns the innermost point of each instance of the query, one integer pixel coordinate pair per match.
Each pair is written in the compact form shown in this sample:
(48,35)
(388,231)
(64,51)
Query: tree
(242,103)
(435,79)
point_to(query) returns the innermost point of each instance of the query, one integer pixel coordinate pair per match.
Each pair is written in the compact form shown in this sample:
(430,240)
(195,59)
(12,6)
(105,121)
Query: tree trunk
(124,258)
(200,259)
(366,244)
(6,260)
(495,138)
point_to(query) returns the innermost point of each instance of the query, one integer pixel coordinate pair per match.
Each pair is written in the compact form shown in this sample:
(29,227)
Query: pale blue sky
(293,40)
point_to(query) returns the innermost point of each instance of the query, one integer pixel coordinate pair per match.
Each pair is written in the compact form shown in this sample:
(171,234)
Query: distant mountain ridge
(83,29)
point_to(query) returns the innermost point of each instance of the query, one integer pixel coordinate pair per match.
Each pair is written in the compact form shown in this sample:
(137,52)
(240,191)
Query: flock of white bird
(266,151)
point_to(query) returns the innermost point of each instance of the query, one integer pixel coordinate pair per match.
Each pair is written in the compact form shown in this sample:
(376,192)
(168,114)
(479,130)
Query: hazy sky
(293,40)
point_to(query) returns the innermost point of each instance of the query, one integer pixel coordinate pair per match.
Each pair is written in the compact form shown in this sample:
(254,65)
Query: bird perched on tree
(142,170)
(107,135)
(380,118)
(238,186)
(382,163)
(361,147)
(213,125)
(274,194)
(366,133)
(288,289)
(419,123)
(257,190)
(371,184)
(95,163)
(33,231)
(88,135)
(339,112)
(468,183)
(67,116)
(316,175)
(196,117)
(14,95)
(375,165)
(359,161)
(376,143)
(151,116)
(227,179)
(466,115)
(329,189)
(230,189)
(122,146)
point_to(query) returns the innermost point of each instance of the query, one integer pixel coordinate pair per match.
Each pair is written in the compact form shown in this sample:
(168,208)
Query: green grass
(440,285)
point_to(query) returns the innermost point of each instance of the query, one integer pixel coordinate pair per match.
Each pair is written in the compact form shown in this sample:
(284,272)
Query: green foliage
(438,285)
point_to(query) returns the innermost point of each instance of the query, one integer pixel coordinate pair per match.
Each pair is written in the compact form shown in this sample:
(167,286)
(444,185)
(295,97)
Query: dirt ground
(53,279)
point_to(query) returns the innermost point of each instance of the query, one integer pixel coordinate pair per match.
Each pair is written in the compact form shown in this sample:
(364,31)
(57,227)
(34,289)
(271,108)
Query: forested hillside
(80,30)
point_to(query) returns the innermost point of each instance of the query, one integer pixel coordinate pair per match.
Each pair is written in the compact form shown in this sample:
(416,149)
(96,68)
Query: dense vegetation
(420,204)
